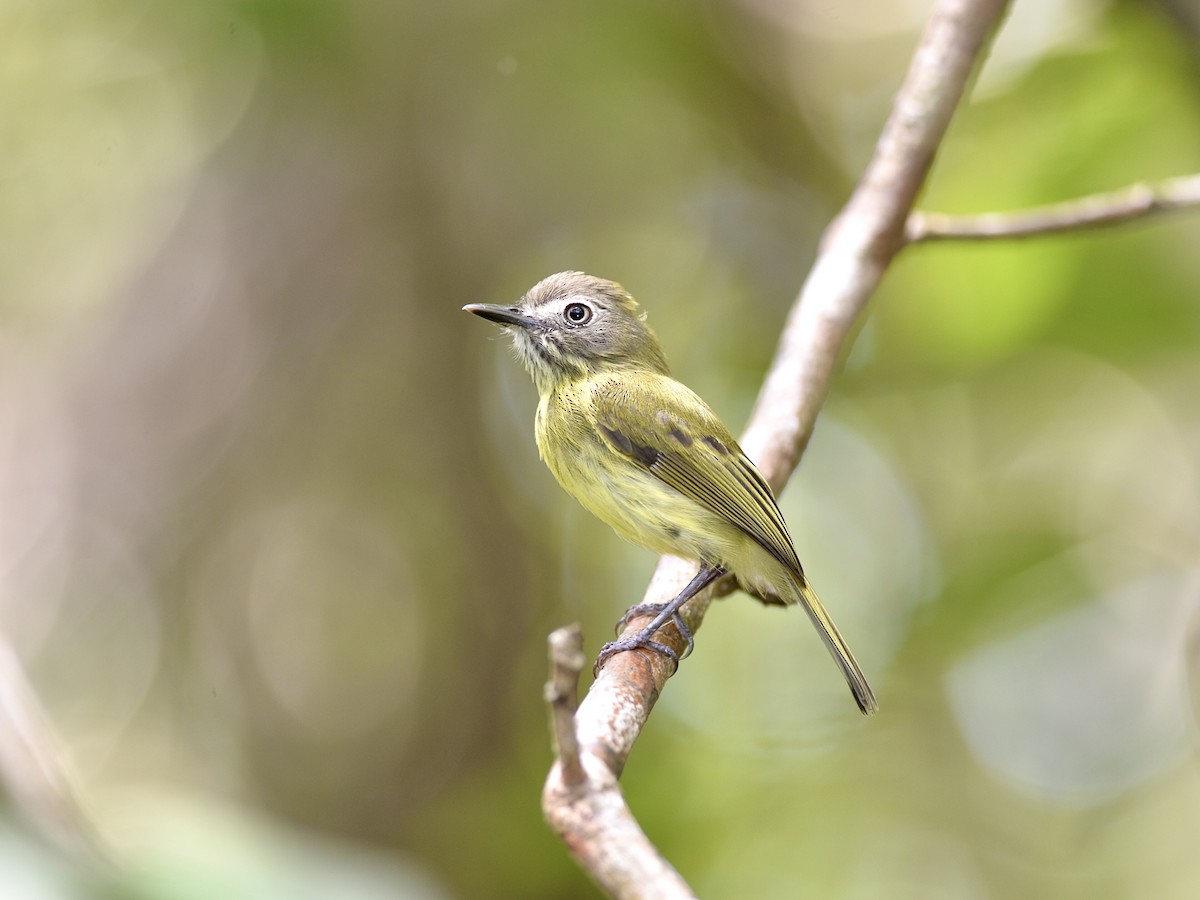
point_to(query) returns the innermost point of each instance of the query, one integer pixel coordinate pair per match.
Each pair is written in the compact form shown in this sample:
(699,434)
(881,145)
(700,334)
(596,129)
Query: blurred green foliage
(279,554)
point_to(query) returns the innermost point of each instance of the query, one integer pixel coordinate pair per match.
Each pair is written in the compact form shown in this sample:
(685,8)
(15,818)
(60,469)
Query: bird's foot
(663,613)
(644,638)
(634,643)
(654,609)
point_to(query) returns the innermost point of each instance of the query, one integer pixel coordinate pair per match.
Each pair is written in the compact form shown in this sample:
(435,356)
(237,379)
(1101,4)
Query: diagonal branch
(591,816)
(1094,211)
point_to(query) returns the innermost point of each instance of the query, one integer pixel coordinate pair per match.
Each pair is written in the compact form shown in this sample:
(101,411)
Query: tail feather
(838,649)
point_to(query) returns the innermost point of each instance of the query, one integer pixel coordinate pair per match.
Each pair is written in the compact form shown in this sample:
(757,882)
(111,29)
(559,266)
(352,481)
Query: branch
(562,693)
(861,242)
(1093,211)
(590,814)
(592,817)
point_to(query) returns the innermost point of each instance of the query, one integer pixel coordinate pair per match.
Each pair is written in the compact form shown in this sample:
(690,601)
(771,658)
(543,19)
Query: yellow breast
(636,504)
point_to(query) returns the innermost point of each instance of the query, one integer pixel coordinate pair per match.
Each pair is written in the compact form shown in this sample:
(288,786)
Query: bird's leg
(664,612)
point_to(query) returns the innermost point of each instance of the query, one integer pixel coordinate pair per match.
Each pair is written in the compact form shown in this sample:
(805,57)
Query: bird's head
(572,325)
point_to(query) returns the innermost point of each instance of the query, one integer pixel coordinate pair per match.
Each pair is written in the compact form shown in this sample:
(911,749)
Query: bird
(645,454)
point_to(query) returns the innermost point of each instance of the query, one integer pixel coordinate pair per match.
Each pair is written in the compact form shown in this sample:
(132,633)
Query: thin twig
(1093,211)
(592,818)
(562,695)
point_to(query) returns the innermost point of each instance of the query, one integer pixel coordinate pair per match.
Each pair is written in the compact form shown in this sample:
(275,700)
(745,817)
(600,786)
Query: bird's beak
(504,315)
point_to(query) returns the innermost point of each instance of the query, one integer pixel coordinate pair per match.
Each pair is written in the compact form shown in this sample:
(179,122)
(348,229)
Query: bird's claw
(645,637)
(614,647)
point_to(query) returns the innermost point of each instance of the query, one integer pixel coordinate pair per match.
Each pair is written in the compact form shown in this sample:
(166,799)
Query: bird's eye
(578,313)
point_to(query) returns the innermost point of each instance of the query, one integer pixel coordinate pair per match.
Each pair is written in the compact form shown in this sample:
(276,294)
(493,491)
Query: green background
(280,558)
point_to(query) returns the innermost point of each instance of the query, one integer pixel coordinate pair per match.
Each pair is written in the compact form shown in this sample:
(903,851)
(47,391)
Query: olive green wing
(662,426)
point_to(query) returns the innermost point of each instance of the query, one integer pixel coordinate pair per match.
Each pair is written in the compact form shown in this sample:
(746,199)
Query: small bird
(646,455)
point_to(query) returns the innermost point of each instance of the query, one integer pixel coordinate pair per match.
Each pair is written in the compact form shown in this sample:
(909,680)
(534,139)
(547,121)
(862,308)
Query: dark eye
(578,313)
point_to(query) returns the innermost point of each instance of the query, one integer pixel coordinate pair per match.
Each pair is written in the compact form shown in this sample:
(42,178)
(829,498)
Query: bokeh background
(279,557)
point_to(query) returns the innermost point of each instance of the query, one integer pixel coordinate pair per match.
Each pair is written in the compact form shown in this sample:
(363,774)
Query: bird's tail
(833,639)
